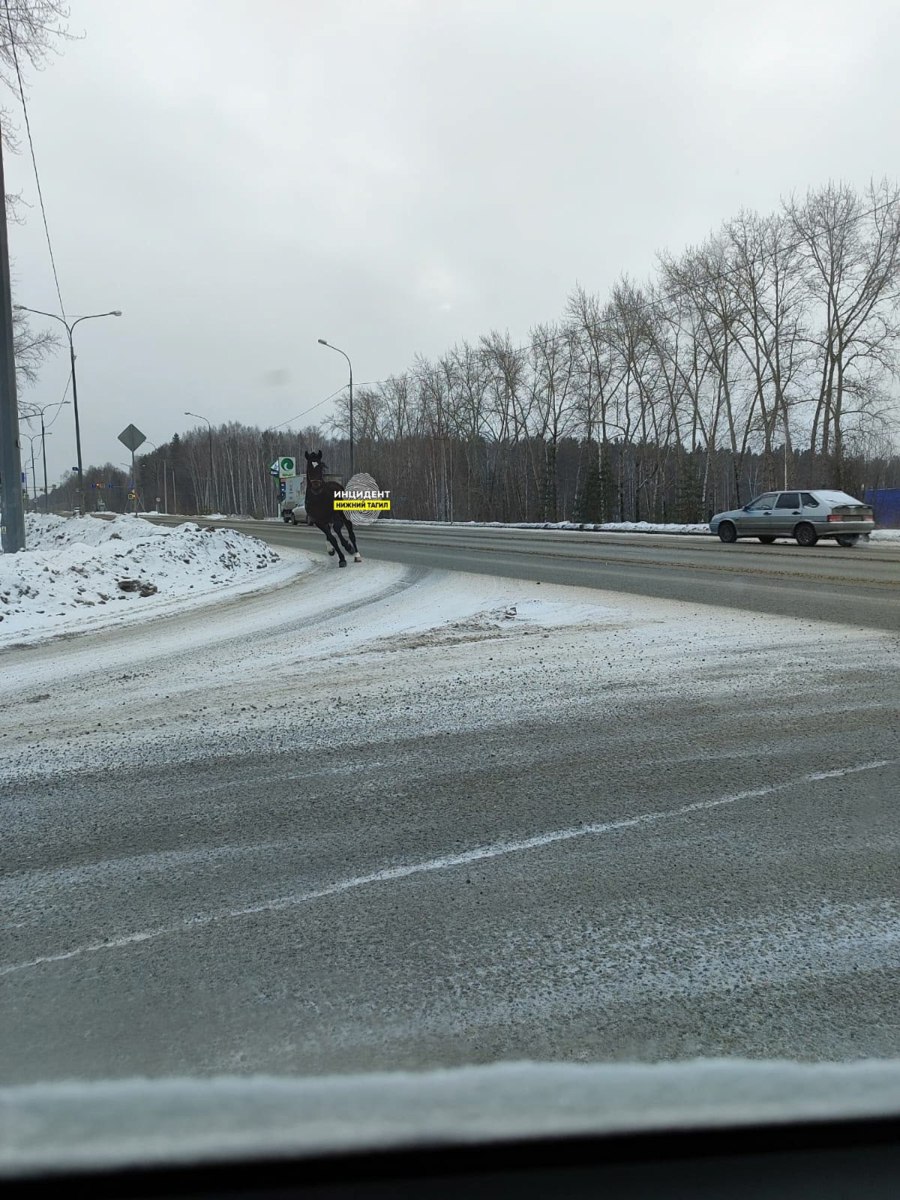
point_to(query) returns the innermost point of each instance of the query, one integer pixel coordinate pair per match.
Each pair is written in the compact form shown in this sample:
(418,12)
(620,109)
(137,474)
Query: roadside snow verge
(577,526)
(879,535)
(80,573)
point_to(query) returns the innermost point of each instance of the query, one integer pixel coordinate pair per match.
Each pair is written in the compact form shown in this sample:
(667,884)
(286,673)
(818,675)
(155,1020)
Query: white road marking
(444,862)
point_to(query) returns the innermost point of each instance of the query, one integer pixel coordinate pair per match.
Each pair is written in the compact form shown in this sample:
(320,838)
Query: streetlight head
(322,342)
(116,312)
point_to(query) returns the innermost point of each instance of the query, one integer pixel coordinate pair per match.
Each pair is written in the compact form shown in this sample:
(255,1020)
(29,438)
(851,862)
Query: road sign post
(131,437)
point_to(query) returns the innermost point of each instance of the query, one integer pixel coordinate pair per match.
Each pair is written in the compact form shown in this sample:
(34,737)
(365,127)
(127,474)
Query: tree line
(767,354)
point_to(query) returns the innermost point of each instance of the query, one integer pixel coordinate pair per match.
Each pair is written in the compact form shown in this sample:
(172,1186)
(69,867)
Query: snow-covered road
(394,816)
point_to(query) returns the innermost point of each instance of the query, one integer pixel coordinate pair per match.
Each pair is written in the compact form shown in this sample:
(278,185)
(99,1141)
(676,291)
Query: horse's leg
(327,520)
(332,522)
(335,548)
(357,557)
(338,522)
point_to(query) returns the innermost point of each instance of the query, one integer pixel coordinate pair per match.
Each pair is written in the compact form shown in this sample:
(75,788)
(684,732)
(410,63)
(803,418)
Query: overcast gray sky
(241,178)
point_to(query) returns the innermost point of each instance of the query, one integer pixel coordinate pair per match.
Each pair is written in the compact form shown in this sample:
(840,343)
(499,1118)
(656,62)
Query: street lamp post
(31,437)
(209,482)
(39,412)
(322,342)
(70,329)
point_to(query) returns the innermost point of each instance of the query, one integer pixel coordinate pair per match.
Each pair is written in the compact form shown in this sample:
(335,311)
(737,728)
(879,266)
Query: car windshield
(407,664)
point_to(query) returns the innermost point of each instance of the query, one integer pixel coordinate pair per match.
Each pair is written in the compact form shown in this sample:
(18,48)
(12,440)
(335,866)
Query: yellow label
(358,505)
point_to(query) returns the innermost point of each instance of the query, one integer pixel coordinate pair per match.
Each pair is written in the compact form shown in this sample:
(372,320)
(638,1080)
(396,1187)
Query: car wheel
(805,535)
(727,532)
(294,520)
(847,539)
(766,538)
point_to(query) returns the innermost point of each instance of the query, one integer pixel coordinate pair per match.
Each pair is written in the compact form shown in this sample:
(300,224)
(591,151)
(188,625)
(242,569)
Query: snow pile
(885,535)
(48,533)
(83,565)
(640,527)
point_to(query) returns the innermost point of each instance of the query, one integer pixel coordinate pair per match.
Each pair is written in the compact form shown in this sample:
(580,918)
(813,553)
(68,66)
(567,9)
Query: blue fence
(886,503)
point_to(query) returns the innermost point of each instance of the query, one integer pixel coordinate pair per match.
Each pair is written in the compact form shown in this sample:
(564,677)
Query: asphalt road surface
(283,835)
(858,586)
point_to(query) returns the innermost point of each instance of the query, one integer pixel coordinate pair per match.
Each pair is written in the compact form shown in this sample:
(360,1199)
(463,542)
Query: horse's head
(314,464)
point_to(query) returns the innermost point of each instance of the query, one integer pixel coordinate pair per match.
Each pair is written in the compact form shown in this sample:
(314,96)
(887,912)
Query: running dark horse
(320,508)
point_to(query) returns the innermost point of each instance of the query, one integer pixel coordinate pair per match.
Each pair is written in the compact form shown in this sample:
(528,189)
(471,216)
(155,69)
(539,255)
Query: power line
(37,178)
(309,410)
(367,383)
(60,403)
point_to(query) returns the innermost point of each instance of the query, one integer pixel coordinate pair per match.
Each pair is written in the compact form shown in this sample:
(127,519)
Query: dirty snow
(84,572)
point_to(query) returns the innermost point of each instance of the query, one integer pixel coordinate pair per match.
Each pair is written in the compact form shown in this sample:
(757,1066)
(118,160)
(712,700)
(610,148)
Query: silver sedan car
(806,516)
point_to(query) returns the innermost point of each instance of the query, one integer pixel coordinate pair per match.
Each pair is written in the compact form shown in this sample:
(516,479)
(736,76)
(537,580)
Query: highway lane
(268,856)
(857,587)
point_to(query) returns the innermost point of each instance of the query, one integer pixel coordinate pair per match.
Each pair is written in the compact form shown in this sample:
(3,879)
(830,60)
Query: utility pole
(44,455)
(165,467)
(13,527)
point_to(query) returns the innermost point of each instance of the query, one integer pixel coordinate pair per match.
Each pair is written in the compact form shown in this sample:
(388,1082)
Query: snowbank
(607,527)
(692,528)
(880,535)
(80,566)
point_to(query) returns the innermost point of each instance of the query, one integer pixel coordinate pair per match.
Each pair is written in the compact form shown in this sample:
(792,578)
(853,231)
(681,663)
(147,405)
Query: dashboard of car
(825,1160)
